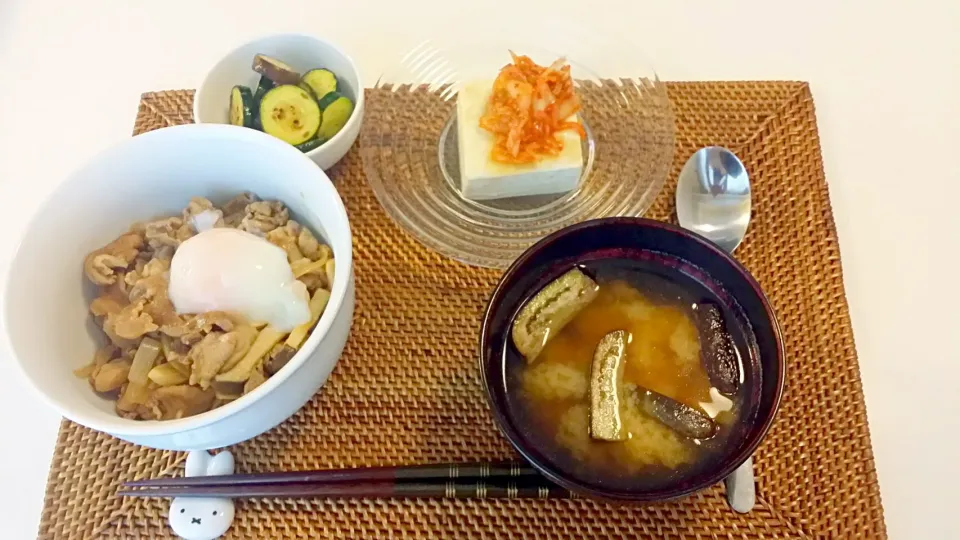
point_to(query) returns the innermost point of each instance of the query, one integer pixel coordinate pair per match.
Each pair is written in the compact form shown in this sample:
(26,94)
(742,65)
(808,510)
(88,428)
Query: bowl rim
(360,91)
(557,474)
(123,427)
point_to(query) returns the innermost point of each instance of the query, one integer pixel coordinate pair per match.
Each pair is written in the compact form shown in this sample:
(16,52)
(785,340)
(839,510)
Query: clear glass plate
(410,154)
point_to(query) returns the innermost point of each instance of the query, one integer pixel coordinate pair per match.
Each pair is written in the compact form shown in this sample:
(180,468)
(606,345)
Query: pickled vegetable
(528,106)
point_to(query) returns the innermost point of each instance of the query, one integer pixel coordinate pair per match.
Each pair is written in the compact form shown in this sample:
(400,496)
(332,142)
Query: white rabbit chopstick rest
(203,518)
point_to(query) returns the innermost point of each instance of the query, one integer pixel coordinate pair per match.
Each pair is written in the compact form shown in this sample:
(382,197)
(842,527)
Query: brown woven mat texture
(407,389)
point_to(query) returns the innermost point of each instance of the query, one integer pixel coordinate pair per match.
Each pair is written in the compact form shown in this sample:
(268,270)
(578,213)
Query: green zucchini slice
(289,113)
(310,145)
(241,106)
(320,81)
(275,70)
(306,87)
(335,116)
(263,86)
(326,100)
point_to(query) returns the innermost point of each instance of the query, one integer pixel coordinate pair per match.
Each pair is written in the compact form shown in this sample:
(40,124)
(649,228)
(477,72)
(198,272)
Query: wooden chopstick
(506,469)
(452,489)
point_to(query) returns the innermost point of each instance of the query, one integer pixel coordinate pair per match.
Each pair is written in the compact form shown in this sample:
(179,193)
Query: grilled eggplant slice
(544,315)
(677,416)
(718,354)
(275,70)
(606,376)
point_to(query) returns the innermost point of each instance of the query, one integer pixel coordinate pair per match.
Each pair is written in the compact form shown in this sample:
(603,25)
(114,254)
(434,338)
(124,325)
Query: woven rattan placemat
(407,389)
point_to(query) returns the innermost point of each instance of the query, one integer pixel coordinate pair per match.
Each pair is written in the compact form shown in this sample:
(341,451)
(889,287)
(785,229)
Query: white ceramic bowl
(48,330)
(303,53)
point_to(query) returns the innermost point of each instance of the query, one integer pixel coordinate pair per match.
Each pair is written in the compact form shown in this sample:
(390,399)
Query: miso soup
(629,371)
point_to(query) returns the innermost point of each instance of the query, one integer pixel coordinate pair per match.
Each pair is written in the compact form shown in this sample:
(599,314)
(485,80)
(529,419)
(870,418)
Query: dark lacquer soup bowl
(680,256)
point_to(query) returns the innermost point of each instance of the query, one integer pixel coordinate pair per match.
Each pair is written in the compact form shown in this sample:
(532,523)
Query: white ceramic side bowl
(303,53)
(48,331)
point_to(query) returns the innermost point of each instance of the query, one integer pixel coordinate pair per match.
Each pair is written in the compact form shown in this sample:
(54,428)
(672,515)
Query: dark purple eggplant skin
(677,416)
(718,354)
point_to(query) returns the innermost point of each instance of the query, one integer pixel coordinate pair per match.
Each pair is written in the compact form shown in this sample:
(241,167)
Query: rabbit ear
(221,463)
(197,463)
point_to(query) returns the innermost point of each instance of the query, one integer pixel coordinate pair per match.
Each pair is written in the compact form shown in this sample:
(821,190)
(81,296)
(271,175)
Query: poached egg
(225,269)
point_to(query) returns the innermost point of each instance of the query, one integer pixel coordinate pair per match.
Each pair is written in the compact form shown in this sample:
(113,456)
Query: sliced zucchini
(335,116)
(320,81)
(241,106)
(329,98)
(263,87)
(289,113)
(306,87)
(311,144)
(275,70)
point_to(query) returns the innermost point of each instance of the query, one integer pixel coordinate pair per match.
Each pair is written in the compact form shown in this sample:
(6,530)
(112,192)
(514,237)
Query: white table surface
(71,74)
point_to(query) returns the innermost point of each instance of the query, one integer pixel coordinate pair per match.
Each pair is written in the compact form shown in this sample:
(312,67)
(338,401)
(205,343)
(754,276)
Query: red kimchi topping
(528,106)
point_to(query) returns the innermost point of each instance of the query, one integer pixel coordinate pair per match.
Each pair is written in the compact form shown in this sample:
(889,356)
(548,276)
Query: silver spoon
(713,199)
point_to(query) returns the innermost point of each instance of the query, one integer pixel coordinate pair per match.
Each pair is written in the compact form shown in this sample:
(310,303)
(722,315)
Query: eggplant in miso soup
(545,315)
(631,372)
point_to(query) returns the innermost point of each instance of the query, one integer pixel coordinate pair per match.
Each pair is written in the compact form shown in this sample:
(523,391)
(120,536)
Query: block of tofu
(483,179)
